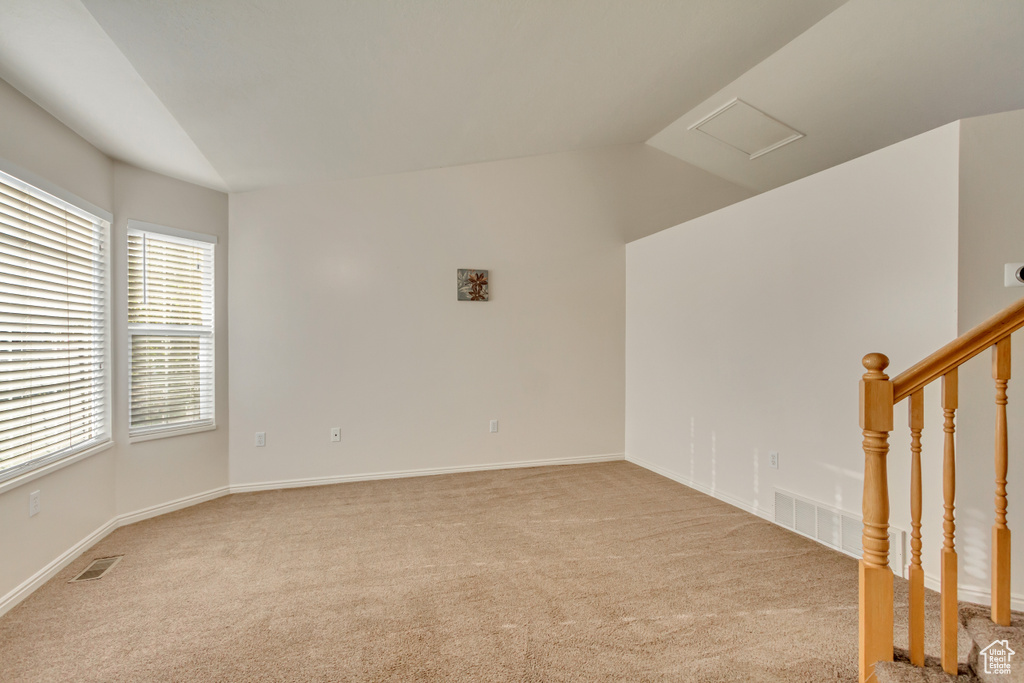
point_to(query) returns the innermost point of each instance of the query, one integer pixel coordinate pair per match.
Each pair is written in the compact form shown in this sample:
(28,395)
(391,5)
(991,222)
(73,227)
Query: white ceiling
(872,73)
(242,94)
(55,53)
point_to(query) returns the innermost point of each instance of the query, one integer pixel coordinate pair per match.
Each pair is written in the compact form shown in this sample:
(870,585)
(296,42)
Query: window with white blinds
(54,397)
(170,322)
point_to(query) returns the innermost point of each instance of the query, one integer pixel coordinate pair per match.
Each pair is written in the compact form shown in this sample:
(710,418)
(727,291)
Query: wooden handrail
(878,395)
(960,350)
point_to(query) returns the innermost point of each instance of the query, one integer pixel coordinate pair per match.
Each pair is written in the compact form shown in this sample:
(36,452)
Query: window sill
(167,433)
(17,477)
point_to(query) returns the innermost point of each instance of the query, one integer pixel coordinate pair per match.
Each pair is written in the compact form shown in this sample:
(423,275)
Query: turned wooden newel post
(876,615)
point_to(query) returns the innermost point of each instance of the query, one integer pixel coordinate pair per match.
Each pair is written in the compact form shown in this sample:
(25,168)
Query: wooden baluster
(1000,532)
(875,578)
(916,629)
(948,614)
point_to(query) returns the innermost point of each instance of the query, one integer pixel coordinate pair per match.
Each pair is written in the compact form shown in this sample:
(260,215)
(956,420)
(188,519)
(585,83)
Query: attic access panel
(746,129)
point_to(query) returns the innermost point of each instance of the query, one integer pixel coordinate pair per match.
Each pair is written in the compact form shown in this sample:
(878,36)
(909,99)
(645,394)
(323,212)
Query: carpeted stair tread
(905,672)
(976,626)
(984,632)
(902,671)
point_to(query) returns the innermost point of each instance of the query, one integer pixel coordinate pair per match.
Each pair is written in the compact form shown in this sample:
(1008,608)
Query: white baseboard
(426,472)
(976,595)
(164,508)
(26,588)
(724,497)
(967,594)
(7,602)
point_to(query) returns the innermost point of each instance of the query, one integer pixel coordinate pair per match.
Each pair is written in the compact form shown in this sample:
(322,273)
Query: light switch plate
(1013,275)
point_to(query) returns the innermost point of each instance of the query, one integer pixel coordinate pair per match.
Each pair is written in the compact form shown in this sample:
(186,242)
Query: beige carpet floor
(603,572)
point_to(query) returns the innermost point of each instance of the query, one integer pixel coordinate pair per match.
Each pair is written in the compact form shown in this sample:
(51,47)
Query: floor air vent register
(832,527)
(97,569)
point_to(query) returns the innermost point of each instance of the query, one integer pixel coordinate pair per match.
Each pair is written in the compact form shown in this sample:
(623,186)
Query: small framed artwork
(473,285)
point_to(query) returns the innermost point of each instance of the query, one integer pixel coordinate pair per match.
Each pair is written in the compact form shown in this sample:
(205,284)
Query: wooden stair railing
(878,396)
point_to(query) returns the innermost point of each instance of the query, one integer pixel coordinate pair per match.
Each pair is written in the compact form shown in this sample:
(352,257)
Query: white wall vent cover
(747,129)
(831,527)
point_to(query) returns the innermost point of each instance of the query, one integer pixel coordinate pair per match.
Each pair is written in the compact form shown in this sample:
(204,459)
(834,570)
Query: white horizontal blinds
(170,380)
(53,388)
(170,320)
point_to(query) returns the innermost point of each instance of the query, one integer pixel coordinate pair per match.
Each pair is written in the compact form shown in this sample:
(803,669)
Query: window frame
(30,183)
(132,329)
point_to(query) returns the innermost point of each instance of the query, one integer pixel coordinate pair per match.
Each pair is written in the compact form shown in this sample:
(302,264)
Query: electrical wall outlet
(335,433)
(773,460)
(33,503)
(494,426)
(261,439)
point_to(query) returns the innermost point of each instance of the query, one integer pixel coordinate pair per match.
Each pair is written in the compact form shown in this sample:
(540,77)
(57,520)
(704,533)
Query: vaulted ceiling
(870,74)
(242,94)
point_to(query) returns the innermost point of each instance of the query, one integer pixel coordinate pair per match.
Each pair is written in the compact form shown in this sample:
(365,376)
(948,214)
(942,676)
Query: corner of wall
(991,234)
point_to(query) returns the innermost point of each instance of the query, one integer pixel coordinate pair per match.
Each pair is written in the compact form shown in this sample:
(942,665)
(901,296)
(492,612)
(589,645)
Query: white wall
(991,234)
(343,313)
(741,330)
(541,224)
(745,328)
(86,496)
(42,145)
